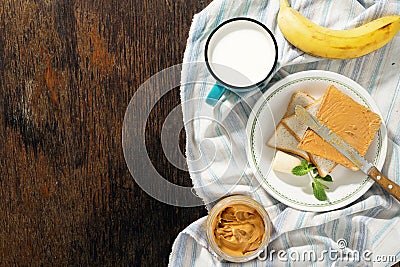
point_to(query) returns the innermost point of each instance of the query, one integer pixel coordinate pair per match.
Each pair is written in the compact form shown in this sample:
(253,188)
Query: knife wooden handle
(388,185)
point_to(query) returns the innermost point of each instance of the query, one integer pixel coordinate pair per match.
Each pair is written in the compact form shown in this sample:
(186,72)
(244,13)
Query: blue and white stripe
(371,223)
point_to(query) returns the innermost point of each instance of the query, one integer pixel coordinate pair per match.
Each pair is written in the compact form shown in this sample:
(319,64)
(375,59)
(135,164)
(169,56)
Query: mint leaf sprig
(318,187)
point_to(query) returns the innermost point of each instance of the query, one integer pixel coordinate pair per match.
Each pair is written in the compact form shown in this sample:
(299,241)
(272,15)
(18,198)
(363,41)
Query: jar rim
(238,199)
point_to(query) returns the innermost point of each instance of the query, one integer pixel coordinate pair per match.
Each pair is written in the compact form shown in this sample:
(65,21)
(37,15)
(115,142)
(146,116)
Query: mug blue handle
(215,94)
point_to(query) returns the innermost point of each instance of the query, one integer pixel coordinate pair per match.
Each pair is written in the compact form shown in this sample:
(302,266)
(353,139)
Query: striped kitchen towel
(216,141)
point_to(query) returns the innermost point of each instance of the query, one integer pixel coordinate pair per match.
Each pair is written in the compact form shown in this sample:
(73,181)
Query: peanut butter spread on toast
(353,122)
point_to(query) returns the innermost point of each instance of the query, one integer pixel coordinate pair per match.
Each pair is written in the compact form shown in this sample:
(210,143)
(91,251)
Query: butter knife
(346,150)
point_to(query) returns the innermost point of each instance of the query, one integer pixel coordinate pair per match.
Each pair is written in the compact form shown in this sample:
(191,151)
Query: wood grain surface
(68,70)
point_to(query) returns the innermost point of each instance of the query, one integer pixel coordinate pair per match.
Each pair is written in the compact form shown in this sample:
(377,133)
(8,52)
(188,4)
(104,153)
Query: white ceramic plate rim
(262,103)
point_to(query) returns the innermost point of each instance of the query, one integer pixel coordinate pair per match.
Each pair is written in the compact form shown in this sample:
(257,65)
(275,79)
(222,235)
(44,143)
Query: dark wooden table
(68,70)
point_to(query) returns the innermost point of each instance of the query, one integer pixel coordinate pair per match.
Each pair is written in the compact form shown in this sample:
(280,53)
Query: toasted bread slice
(324,166)
(298,129)
(286,138)
(282,139)
(353,122)
(298,98)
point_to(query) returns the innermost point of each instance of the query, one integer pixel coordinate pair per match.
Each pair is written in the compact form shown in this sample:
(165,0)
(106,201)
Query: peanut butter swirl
(238,229)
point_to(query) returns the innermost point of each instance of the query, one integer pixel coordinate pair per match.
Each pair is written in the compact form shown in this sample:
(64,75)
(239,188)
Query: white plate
(296,191)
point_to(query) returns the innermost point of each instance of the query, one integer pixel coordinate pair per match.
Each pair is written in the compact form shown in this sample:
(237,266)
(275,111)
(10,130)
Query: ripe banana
(336,44)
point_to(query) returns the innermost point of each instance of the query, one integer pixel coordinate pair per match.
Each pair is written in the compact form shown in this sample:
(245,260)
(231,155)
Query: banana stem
(284,3)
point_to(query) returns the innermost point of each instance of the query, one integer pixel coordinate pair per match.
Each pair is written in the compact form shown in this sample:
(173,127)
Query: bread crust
(293,150)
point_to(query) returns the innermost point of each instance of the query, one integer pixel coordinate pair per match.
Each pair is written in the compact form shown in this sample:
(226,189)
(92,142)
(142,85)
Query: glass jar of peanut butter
(238,228)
